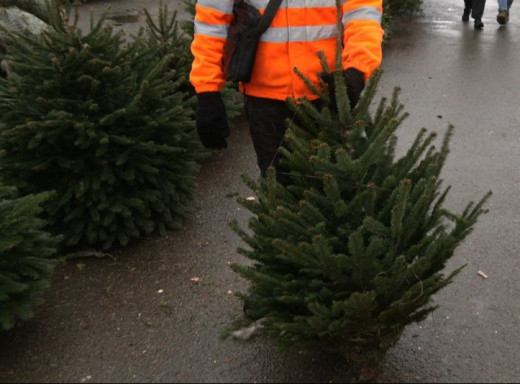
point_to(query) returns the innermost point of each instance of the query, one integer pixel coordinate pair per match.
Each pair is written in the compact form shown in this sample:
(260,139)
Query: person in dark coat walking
(475,8)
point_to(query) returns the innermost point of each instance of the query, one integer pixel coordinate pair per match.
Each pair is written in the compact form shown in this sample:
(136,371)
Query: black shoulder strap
(268,15)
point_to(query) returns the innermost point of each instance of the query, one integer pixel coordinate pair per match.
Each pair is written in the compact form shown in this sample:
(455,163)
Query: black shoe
(465,15)
(478,24)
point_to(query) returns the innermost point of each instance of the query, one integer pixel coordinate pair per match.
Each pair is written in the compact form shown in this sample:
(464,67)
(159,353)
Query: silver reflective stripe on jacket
(262,4)
(363,13)
(211,29)
(320,32)
(286,34)
(223,6)
(299,34)
(219,31)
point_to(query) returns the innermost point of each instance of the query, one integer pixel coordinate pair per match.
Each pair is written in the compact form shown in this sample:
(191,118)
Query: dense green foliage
(403,7)
(25,248)
(107,124)
(353,250)
(394,9)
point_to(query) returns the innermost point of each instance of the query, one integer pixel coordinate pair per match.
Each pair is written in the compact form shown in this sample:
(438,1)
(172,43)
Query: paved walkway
(451,74)
(155,312)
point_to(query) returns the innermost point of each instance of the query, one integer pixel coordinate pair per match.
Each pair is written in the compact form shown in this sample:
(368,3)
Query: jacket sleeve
(212,18)
(363,35)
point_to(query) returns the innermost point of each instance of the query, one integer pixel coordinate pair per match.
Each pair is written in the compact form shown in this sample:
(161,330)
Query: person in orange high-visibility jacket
(300,28)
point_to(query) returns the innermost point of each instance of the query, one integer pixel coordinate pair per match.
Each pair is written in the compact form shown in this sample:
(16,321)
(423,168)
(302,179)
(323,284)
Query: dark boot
(478,24)
(503,17)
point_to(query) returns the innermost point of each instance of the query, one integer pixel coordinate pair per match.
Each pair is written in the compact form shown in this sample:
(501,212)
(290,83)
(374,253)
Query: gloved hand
(355,81)
(211,120)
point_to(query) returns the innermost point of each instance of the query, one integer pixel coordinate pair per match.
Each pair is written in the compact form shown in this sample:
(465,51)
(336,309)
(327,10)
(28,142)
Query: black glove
(211,120)
(355,81)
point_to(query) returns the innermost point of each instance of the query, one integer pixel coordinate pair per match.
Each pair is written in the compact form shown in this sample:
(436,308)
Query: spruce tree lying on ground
(100,120)
(353,250)
(25,248)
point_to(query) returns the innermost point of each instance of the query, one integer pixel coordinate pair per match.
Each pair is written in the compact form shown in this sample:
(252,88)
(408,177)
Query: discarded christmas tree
(351,252)
(105,123)
(25,250)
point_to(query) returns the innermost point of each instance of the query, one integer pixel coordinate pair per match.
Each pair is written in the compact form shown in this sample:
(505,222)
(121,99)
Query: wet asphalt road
(452,74)
(153,313)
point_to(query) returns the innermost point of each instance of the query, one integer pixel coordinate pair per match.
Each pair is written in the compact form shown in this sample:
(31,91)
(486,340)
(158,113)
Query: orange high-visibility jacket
(298,31)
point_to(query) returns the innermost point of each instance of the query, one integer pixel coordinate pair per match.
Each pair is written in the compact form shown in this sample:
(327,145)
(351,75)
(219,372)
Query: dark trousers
(267,123)
(476,6)
(266,118)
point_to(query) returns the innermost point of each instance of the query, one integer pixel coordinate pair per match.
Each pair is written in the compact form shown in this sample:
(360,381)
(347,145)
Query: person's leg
(509,4)
(503,12)
(266,119)
(467,10)
(502,5)
(477,12)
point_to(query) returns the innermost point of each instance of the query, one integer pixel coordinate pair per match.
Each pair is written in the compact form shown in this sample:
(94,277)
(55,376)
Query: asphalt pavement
(154,313)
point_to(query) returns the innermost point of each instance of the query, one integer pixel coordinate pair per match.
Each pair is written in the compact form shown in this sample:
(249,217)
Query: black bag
(243,37)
